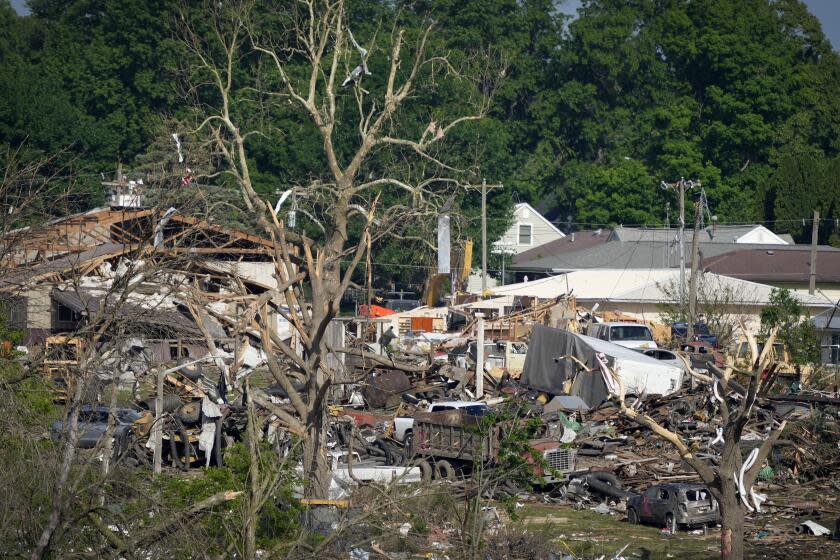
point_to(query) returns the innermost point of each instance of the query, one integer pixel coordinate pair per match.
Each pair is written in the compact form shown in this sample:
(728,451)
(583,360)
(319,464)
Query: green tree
(795,329)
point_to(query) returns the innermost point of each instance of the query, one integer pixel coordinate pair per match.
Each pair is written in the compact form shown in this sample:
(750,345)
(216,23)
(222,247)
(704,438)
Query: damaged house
(172,283)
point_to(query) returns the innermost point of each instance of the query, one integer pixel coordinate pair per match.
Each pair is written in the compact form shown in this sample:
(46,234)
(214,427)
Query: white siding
(542,231)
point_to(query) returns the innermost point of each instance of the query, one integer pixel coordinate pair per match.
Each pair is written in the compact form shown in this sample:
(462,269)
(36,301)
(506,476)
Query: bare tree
(318,69)
(731,480)
(55,493)
(721,306)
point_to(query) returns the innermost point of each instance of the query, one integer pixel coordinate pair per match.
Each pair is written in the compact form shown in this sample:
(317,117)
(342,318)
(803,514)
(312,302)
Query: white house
(529,230)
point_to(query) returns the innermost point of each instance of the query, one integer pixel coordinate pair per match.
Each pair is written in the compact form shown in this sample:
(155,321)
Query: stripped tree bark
(732,479)
(313,273)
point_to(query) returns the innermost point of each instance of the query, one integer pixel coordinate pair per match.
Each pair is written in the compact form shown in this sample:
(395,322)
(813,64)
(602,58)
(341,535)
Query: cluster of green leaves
(278,517)
(516,428)
(591,115)
(723,91)
(795,329)
(26,454)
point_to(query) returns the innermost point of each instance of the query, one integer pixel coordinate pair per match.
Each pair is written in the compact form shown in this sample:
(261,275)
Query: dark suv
(671,505)
(679,332)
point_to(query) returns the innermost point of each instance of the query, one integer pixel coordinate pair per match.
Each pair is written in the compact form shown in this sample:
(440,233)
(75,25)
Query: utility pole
(157,428)
(692,282)
(680,187)
(815,230)
(483,236)
(484,187)
(479,356)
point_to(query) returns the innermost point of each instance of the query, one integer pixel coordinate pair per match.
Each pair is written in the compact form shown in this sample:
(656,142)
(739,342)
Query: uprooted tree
(731,479)
(382,173)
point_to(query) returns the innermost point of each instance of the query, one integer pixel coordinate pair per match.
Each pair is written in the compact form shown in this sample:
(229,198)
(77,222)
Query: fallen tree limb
(803,398)
(382,360)
(292,424)
(121,546)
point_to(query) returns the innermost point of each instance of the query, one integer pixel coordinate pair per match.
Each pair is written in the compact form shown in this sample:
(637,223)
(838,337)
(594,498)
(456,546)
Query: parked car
(679,332)
(675,504)
(93,422)
(630,335)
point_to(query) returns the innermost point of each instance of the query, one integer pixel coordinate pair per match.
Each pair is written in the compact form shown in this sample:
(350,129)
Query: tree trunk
(108,449)
(68,455)
(316,469)
(732,524)
(254,496)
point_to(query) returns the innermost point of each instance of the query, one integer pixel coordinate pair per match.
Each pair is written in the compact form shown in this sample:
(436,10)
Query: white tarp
(640,373)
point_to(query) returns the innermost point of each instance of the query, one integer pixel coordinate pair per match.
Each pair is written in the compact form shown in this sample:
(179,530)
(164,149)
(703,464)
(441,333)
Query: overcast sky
(827,10)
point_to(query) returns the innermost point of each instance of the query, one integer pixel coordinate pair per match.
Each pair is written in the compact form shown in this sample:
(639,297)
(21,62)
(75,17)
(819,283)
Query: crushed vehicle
(449,441)
(701,354)
(673,505)
(93,423)
(629,335)
(554,355)
(344,478)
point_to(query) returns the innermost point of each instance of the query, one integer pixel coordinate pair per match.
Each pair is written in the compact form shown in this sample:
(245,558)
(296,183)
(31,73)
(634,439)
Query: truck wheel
(425,472)
(632,516)
(408,444)
(386,451)
(444,471)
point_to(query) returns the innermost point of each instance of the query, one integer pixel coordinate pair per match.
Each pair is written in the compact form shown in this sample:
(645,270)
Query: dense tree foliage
(592,114)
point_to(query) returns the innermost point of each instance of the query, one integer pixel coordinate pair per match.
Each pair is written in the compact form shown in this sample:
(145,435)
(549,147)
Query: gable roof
(638,254)
(658,248)
(525,206)
(750,233)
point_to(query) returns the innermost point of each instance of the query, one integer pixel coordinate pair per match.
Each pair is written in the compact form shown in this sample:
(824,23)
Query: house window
(524,234)
(67,315)
(14,311)
(831,349)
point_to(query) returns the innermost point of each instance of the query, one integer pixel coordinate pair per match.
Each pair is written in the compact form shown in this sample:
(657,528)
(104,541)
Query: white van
(630,335)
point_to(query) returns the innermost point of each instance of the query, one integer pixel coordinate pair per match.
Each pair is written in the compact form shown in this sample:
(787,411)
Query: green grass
(587,535)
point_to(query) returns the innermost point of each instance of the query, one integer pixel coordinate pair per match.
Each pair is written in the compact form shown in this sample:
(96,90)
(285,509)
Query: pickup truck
(636,336)
(449,440)
(404,425)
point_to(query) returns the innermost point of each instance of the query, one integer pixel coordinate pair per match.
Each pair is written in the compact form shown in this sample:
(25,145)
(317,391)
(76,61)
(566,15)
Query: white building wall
(541,231)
